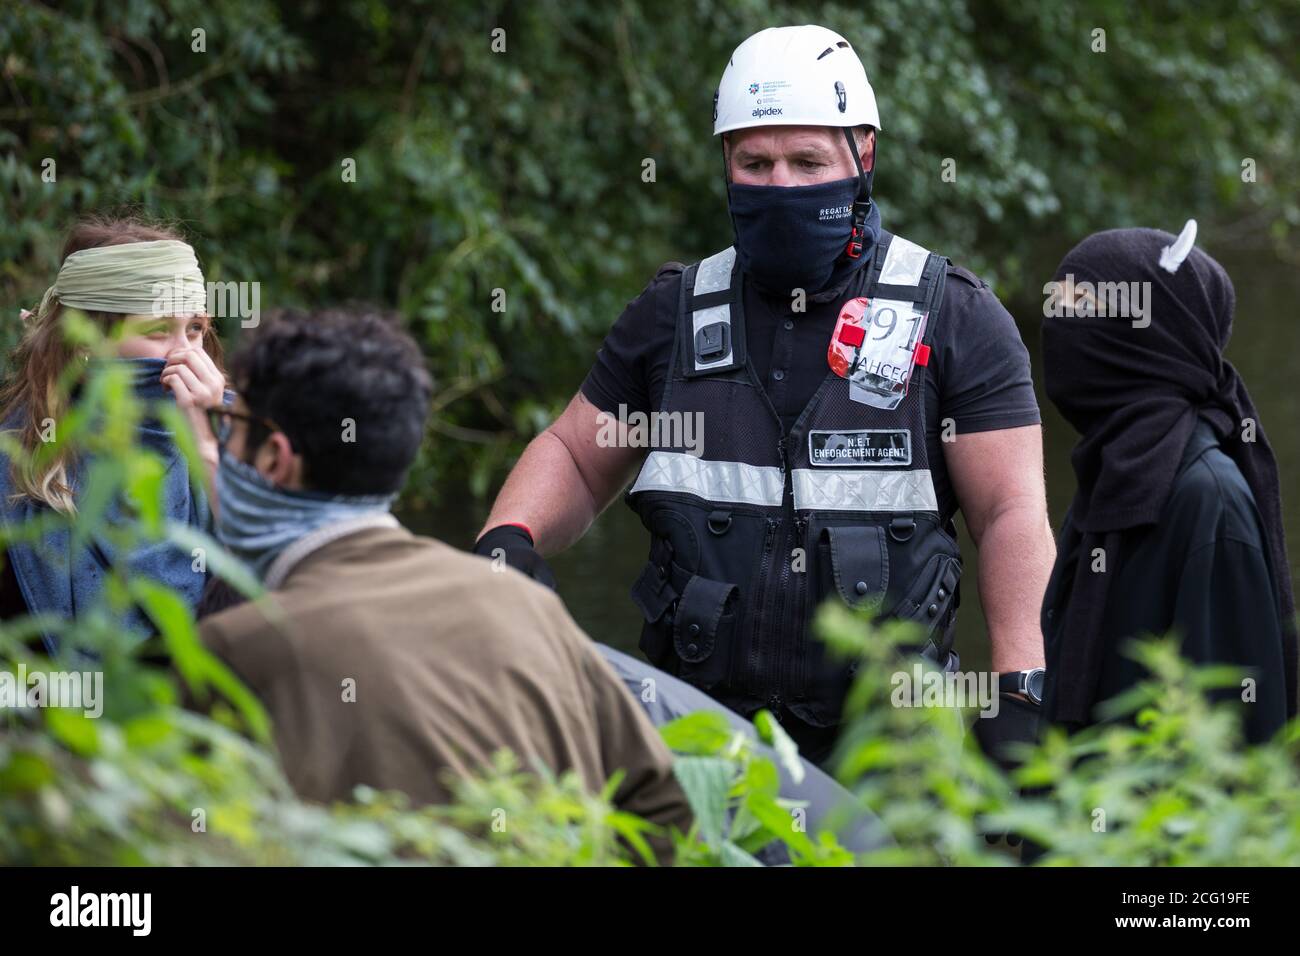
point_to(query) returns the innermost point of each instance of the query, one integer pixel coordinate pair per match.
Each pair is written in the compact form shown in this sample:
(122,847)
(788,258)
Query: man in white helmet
(854,391)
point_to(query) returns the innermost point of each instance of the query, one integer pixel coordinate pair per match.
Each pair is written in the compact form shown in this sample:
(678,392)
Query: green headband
(135,278)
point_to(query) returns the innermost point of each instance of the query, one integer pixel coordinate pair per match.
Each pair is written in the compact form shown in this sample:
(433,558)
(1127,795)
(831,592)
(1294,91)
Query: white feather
(1171,257)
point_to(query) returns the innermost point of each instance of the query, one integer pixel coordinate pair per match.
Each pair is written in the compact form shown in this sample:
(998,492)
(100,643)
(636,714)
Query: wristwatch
(1029,683)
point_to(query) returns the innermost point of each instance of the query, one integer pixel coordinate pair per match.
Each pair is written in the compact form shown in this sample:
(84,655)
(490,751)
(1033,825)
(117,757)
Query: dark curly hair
(347,387)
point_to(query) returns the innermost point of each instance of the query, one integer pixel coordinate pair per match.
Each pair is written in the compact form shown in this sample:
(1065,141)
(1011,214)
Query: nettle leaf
(144,489)
(733,855)
(703,732)
(771,732)
(761,777)
(783,824)
(706,781)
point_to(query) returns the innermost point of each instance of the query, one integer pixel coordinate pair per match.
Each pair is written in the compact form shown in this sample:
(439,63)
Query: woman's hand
(198,385)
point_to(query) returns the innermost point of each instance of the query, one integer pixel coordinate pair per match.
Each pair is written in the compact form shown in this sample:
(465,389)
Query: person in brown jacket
(385,658)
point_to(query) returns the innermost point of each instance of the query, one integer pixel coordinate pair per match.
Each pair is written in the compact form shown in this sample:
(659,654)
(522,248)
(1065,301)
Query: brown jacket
(449,661)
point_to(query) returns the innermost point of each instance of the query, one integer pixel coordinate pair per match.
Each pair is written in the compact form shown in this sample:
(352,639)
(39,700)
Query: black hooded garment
(1177,486)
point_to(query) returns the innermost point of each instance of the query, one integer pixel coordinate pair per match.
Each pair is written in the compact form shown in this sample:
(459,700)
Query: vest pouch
(654,594)
(853,561)
(932,604)
(690,620)
(703,626)
(853,564)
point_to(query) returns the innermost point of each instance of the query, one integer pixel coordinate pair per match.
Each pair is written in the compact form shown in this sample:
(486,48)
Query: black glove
(1015,723)
(513,543)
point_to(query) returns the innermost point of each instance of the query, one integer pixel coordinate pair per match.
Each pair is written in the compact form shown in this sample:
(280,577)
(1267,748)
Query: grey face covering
(257,520)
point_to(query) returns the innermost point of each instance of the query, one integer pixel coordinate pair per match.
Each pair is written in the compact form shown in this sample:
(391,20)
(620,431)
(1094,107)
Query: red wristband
(523,527)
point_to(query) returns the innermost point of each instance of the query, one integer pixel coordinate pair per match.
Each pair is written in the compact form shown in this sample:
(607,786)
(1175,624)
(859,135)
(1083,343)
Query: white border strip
(713,275)
(724,481)
(863,490)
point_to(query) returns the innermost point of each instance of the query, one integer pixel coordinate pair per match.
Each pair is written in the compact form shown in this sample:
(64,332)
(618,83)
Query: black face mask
(794,237)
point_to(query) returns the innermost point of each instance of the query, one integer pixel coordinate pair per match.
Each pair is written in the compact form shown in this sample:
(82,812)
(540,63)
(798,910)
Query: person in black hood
(1176,526)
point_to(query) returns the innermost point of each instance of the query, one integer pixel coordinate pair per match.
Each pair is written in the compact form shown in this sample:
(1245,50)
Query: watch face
(1034,684)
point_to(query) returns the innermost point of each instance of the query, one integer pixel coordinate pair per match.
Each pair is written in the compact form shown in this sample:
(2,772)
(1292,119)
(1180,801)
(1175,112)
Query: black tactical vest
(751,534)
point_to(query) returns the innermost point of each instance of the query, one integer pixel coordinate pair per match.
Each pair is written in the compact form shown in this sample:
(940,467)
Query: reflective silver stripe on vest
(723,481)
(713,275)
(818,490)
(904,262)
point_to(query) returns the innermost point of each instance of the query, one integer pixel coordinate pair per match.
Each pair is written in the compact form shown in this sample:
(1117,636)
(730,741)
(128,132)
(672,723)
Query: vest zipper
(778,630)
(799,606)
(755,645)
(778,619)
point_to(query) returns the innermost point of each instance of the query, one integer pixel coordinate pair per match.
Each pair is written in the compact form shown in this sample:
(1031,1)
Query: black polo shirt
(979,368)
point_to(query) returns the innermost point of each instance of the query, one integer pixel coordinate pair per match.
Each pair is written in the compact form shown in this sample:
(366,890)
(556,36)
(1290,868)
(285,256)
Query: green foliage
(172,788)
(1173,786)
(522,170)
(912,765)
(733,790)
(1168,782)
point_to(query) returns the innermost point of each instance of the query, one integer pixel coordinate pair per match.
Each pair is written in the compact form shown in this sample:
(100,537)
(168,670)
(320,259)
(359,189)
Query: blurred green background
(521,170)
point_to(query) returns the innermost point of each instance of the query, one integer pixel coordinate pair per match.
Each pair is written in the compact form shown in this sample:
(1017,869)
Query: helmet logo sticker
(841,96)
(771,102)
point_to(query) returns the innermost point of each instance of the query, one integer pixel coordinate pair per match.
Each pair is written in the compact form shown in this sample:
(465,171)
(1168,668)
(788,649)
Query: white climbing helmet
(794,76)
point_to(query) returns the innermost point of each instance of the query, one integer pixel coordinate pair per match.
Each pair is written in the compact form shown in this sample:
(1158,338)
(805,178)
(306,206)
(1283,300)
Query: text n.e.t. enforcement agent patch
(866,446)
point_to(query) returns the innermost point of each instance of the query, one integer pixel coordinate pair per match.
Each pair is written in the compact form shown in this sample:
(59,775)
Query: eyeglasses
(220,421)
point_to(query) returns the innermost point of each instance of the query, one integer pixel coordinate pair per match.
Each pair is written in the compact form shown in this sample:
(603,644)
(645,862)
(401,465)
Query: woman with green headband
(142,285)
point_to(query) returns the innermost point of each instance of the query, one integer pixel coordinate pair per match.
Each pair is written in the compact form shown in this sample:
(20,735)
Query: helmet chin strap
(726,176)
(861,205)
